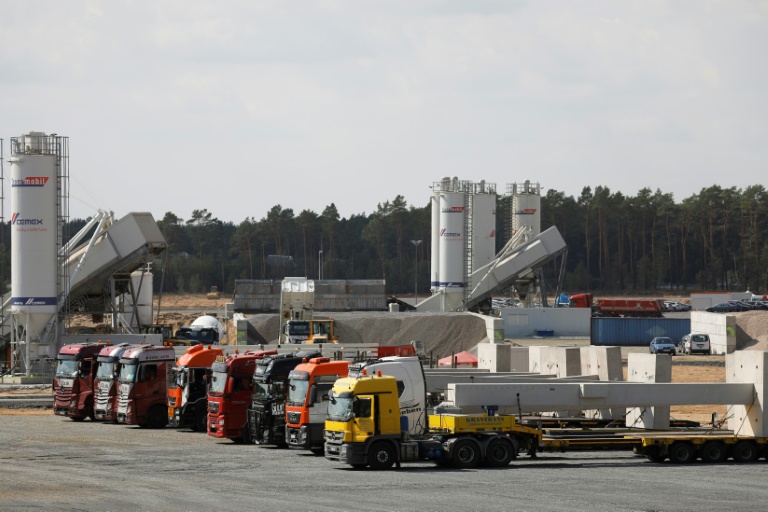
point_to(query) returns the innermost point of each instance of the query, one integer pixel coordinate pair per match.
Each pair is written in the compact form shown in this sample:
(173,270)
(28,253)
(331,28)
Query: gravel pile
(443,334)
(752,330)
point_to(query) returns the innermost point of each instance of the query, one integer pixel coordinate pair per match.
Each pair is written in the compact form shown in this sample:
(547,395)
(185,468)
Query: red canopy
(462,359)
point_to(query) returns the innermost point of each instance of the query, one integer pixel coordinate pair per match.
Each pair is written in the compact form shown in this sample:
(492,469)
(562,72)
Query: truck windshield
(128,372)
(297,391)
(218,382)
(297,329)
(66,368)
(176,379)
(264,391)
(339,409)
(105,370)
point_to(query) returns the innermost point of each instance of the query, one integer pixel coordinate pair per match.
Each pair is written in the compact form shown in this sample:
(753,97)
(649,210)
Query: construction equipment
(297,297)
(105,382)
(647,308)
(214,294)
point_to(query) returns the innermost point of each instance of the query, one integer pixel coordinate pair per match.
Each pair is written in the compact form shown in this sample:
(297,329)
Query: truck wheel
(744,451)
(465,454)
(681,453)
(157,417)
(200,422)
(381,455)
(247,438)
(653,454)
(499,453)
(713,451)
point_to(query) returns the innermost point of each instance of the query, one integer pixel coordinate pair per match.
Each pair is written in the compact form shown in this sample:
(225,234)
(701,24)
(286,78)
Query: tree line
(714,240)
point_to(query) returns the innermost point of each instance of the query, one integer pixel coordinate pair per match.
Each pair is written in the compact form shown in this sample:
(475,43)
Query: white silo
(483,224)
(434,271)
(141,282)
(526,207)
(34,234)
(452,240)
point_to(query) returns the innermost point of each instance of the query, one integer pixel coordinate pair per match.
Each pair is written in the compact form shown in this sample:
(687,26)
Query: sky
(237,106)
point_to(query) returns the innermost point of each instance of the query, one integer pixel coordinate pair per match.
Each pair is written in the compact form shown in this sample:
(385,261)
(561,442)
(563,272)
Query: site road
(52,463)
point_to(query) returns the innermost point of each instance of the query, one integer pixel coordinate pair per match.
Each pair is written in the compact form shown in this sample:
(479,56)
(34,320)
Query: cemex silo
(463,236)
(36,162)
(526,209)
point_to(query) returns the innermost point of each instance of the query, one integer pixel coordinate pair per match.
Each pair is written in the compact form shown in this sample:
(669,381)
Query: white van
(694,342)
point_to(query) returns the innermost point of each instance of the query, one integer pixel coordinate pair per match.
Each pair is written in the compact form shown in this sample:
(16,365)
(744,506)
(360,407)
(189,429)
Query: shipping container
(636,332)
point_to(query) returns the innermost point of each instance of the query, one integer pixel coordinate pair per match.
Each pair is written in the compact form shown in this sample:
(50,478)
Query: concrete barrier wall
(524,322)
(719,326)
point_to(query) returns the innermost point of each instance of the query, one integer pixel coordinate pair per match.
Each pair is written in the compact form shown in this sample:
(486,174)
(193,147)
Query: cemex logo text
(526,211)
(30,181)
(445,234)
(453,209)
(15,220)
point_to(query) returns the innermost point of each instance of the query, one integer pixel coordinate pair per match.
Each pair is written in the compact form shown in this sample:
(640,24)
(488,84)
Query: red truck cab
(229,395)
(73,381)
(143,392)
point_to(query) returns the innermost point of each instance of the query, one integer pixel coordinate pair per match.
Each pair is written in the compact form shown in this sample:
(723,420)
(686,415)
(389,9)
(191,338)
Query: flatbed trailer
(712,446)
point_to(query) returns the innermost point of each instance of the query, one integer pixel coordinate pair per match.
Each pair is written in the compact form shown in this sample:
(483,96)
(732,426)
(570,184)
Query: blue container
(636,332)
(545,333)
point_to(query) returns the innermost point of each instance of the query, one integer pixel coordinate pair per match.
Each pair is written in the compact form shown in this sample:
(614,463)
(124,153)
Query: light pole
(416,271)
(320,265)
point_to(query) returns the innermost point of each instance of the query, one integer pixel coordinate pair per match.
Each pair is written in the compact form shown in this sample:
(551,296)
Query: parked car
(663,345)
(726,307)
(672,305)
(695,343)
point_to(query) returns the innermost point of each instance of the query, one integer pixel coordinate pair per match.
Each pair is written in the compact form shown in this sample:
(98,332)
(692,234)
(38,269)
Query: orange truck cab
(187,387)
(105,382)
(73,381)
(307,405)
(229,395)
(143,392)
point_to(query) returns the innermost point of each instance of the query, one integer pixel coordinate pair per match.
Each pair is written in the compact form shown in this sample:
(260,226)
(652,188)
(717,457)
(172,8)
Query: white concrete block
(519,358)
(648,368)
(749,366)
(493,356)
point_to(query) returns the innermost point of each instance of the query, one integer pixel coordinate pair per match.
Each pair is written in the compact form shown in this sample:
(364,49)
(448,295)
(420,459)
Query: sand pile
(443,334)
(752,330)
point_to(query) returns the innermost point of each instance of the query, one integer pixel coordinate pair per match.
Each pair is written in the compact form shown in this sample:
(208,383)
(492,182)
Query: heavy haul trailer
(266,412)
(143,394)
(683,448)
(105,382)
(188,388)
(230,393)
(365,428)
(73,380)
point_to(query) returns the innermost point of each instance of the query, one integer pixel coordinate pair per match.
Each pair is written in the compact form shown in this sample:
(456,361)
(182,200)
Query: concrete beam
(541,397)
(749,418)
(650,368)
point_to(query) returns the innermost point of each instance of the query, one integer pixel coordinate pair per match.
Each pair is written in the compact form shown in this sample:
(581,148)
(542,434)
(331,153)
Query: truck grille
(213,407)
(294,417)
(334,437)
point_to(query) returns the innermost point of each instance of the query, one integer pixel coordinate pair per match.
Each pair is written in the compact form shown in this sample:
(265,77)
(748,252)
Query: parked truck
(229,395)
(188,387)
(105,383)
(307,403)
(143,393)
(370,423)
(297,302)
(266,412)
(648,308)
(73,381)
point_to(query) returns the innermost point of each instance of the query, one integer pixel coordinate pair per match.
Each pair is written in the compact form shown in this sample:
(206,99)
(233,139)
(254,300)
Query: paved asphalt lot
(51,463)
